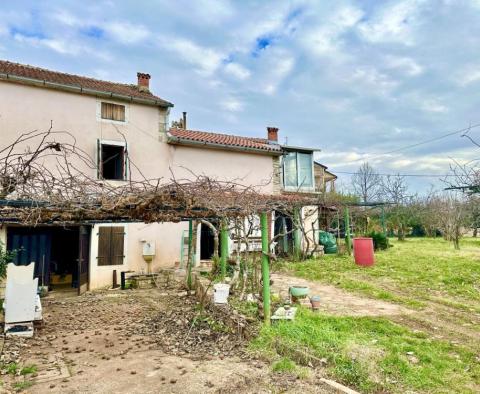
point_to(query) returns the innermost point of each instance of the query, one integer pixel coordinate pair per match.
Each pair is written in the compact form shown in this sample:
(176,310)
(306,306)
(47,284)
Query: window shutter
(118,238)
(104,242)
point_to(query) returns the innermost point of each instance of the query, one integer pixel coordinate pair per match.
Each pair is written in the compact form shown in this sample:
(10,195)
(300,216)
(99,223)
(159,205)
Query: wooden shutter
(118,237)
(104,242)
(111,245)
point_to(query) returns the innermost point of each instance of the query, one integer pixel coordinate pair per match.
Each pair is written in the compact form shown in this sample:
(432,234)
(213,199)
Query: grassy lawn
(370,354)
(410,273)
(390,354)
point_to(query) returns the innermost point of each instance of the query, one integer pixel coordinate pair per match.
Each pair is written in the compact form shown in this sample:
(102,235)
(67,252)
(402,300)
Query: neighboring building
(113,121)
(324,179)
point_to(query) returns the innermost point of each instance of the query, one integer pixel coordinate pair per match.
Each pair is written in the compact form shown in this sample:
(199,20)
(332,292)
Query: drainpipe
(223,248)
(265,268)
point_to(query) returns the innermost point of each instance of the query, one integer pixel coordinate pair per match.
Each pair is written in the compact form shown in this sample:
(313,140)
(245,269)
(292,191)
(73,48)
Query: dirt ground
(439,320)
(335,301)
(140,341)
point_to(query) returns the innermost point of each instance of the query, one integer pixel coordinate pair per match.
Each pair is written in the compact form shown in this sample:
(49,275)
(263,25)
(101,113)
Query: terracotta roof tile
(41,74)
(216,139)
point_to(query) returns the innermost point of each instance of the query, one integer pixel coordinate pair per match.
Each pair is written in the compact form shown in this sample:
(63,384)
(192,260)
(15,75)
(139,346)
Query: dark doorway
(55,251)
(283,234)
(206,242)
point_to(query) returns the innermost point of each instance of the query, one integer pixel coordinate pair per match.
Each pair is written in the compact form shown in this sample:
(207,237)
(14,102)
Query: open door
(83,259)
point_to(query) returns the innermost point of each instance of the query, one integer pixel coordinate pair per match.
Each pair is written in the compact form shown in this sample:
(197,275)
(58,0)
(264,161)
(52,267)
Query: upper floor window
(112,111)
(298,170)
(112,160)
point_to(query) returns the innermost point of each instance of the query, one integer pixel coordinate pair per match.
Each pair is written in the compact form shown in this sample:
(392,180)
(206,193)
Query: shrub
(380,240)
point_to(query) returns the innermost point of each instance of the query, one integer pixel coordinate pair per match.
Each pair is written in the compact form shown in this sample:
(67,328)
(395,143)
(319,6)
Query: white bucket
(220,293)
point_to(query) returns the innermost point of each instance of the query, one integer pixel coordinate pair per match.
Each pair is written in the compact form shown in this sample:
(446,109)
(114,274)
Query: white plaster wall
(167,238)
(24,108)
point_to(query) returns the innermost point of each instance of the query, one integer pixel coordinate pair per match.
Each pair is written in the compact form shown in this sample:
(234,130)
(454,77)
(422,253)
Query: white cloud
(375,81)
(326,40)
(409,66)
(432,105)
(126,32)
(468,75)
(206,60)
(232,104)
(393,23)
(279,70)
(61,46)
(123,32)
(237,70)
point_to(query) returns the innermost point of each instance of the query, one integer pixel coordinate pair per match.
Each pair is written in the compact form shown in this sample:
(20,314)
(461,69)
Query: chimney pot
(272,133)
(143,82)
(184,120)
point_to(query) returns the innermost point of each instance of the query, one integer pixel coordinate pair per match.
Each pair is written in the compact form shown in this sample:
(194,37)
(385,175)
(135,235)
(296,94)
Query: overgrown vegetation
(409,273)
(5,258)
(370,354)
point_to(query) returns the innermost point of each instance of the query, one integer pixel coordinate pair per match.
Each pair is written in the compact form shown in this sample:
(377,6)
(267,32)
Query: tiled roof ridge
(44,74)
(227,140)
(68,74)
(256,139)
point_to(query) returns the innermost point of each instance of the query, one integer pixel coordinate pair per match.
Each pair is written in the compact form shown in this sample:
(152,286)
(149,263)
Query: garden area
(431,344)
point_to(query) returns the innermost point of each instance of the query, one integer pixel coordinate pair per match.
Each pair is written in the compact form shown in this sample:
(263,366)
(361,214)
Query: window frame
(298,187)
(99,158)
(118,122)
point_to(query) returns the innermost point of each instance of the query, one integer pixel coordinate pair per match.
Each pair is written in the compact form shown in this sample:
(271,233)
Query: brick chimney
(143,82)
(272,133)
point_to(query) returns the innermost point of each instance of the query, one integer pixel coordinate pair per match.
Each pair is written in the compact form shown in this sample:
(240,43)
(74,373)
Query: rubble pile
(186,329)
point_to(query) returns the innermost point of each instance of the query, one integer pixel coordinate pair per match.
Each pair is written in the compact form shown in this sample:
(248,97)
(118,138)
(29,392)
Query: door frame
(84,244)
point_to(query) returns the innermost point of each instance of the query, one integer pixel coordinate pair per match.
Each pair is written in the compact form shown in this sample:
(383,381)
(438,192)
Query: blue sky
(353,78)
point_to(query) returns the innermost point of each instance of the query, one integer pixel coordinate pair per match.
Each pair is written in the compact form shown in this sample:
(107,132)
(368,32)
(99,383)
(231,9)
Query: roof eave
(211,145)
(299,148)
(81,90)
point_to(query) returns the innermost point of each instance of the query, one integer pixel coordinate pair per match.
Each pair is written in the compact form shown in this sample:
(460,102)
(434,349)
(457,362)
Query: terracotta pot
(315,301)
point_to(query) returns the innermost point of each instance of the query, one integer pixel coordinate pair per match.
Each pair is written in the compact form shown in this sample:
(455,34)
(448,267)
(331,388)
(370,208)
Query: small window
(113,112)
(112,164)
(111,245)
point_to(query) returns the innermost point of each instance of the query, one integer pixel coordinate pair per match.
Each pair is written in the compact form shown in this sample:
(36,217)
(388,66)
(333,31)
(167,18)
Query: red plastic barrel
(363,251)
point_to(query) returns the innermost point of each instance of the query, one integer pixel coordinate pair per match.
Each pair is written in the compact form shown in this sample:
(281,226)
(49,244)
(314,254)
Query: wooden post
(265,268)
(297,238)
(223,248)
(347,232)
(384,227)
(190,254)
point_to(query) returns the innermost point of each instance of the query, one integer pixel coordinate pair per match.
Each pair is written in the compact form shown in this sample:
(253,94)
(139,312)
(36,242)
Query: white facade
(24,108)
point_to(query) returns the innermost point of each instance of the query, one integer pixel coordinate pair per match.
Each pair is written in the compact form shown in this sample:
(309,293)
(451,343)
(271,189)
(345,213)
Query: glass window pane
(290,169)
(305,175)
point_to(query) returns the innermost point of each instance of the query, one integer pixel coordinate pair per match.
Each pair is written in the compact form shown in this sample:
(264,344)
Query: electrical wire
(405,175)
(448,134)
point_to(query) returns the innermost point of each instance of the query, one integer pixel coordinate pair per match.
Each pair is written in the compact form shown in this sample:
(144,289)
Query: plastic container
(299,291)
(328,241)
(220,293)
(363,251)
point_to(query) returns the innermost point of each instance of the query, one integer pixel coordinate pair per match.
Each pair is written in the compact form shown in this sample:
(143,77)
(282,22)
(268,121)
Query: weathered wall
(25,108)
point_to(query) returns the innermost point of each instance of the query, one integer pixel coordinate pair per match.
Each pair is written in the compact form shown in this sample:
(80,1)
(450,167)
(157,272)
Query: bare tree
(394,189)
(366,183)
